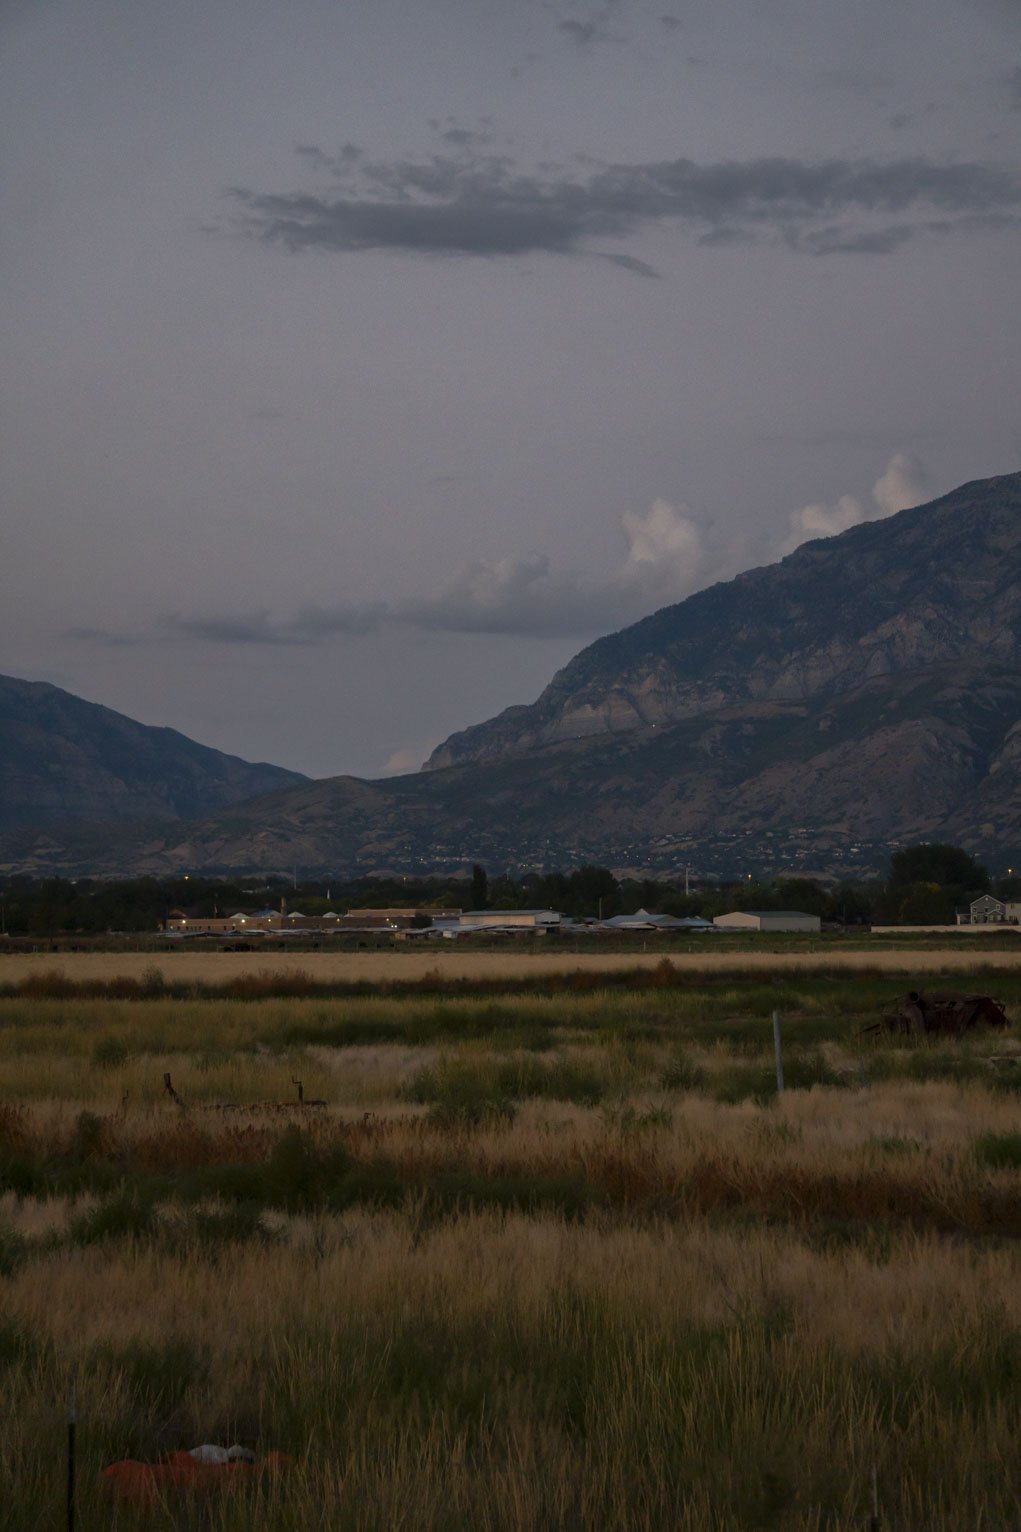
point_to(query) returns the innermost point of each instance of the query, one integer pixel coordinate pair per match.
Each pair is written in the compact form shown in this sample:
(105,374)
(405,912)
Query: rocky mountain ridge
(932,585)
(831,783)
(63,760)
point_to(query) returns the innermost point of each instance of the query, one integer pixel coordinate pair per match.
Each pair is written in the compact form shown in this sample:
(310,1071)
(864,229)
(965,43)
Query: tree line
(925,885)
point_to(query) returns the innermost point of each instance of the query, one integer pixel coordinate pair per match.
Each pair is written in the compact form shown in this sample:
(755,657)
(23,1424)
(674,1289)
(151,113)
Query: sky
(360,362)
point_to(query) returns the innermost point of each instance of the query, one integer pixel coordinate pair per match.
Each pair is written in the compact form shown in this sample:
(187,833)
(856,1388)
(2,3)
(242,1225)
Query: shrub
(681,1074)
(14,1251)
(128,1215)
(17,1344)
(474,1087)
(153,982)
(998,1151)
(158,1376)
(292,1171)
(87,1137)
(471,1113)
(210,1228)
(109,1053)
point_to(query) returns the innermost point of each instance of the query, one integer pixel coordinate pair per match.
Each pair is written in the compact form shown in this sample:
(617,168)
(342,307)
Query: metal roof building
(768,920)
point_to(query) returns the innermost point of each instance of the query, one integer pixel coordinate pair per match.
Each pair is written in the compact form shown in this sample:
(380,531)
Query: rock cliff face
(937,584)
(64,759)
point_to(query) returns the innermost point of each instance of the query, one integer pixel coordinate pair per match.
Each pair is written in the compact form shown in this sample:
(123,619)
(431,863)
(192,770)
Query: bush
(998,1151)
(681,1074)
(210,1228)
(87,1137)
(475,1087)
(158,1376)
(126,1216)
(14,1250)
(109,1053)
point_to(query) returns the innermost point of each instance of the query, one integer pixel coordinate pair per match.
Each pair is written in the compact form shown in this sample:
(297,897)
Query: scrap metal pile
(940,1013)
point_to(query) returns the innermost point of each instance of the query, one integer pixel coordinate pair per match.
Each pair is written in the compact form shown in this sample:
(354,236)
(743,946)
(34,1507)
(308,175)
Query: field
(949,953)
(551,1252)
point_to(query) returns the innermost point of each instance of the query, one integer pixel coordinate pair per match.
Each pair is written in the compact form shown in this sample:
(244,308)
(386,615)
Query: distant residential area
(928,885)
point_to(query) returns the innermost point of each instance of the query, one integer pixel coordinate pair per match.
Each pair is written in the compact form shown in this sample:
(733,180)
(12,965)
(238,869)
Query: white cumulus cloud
(902,484)
(825,520)
(664,547)
(663,562)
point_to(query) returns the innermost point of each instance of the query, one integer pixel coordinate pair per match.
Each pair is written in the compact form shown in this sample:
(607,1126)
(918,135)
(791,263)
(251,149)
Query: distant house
(990,911)
(768,920)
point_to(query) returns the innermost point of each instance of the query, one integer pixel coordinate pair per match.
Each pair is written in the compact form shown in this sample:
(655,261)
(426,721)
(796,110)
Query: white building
(768,920)
(641,920)
(518,920)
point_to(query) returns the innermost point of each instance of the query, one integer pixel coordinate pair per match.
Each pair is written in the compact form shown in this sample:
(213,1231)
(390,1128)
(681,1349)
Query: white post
(778,1049)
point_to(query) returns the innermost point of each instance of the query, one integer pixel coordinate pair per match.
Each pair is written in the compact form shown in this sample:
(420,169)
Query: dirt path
(214,967)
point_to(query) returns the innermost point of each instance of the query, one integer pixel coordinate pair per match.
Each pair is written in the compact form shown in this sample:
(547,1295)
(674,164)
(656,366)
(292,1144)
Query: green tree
(936,862)
(480,888)
(926,904)
(802,894)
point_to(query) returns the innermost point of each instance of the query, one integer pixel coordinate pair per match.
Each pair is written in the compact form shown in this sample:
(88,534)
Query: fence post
(874,1518)
(778,1049)
(72,1414)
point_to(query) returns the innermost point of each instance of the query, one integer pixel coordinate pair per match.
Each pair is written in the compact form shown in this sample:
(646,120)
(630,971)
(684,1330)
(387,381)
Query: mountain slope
(936,584)
(920,757)
(865,690)
(63,759)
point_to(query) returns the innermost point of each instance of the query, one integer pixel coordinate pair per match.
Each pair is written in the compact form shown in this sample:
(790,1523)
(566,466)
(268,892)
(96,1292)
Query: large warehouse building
(767,920)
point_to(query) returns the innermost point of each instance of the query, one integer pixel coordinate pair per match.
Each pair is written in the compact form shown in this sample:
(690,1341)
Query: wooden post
(778,1049)
(72,1413)
(874,1518)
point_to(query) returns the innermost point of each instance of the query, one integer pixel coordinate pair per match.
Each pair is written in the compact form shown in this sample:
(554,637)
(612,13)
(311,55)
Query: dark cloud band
(484,206)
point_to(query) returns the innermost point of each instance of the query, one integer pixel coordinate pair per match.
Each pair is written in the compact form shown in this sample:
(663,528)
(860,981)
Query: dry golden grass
(486,1263)
(523,1374)
(452,961)
(892,1156)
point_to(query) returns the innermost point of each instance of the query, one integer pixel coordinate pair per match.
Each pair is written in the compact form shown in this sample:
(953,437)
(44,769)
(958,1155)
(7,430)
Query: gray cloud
(459,135)
(105,636)
(585,33)
(629,263)
(591,27)
(524,597)
(669,554)
(844,241)
(483,205)
(312,625)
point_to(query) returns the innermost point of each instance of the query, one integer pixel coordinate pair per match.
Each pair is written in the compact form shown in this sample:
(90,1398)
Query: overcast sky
(360,360)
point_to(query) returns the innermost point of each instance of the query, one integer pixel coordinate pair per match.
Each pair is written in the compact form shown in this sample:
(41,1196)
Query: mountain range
(863,692)
(66,760)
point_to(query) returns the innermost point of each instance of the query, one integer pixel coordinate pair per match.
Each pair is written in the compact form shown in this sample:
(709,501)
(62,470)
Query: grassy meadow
(540,1250)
